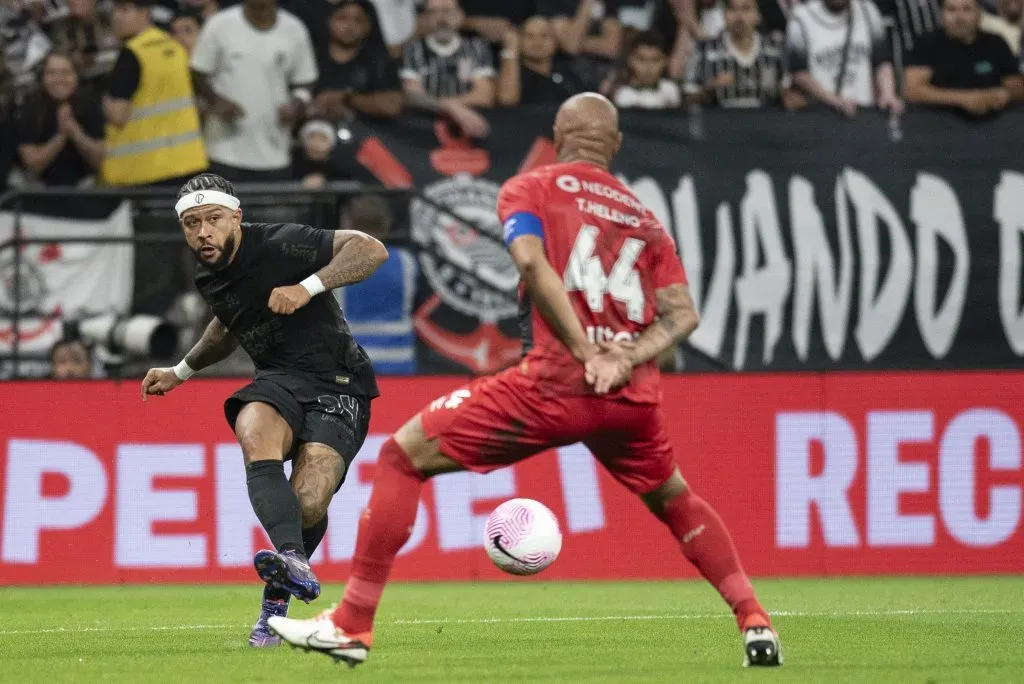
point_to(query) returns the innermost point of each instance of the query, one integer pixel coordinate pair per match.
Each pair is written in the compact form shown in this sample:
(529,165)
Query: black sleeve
(923,54)
(90,117)
(387,75)
(124,78)
(28,127)
(298,251)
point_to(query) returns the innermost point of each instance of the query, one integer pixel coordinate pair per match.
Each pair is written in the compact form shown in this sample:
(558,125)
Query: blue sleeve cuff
(522,223)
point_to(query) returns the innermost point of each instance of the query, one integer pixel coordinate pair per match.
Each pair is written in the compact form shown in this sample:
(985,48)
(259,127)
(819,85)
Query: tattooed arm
(215,345)
(356,257)
(676,319)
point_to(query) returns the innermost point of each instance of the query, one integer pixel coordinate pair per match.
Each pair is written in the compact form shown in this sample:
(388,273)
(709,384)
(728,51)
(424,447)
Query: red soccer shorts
(499,420)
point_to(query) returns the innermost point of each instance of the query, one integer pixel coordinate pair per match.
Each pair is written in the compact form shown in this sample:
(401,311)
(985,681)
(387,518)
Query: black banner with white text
(811,242)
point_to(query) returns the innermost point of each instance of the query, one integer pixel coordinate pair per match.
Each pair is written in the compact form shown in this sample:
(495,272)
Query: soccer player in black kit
(269,287)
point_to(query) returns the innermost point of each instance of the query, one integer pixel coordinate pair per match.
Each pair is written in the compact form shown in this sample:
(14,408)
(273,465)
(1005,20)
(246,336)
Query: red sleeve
(521,193)
(668,268)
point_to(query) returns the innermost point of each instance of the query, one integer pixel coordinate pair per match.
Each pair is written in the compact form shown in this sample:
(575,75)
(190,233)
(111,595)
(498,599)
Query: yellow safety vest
(162,138)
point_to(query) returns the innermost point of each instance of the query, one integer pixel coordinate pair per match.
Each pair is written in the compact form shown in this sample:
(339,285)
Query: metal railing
(159,201)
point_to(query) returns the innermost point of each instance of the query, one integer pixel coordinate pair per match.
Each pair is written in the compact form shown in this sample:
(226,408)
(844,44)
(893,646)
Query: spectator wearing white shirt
(255,66)
(839,54)
(397,23)
(642,83)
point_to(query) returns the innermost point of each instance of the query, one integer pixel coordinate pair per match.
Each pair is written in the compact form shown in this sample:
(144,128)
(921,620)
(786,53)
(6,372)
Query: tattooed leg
(315,475)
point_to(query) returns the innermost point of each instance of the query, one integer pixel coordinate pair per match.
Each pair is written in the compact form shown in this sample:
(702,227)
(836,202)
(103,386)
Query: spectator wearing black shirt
(316,15)
(87,35)
(60,128)
(532,70)
(495,20)
(357,75)
(962,67)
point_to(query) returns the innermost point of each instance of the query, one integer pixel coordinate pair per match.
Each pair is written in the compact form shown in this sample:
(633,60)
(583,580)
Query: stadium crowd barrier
(816,474)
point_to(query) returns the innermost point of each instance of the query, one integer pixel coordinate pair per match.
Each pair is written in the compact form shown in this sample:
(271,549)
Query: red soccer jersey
(612,253)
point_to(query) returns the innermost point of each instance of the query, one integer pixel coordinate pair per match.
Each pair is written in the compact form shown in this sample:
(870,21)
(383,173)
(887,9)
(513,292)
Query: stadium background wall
(816,474)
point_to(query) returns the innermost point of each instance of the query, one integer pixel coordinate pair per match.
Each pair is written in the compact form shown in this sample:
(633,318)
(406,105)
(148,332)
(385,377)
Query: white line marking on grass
(715,616)
(80,630)
(568,618)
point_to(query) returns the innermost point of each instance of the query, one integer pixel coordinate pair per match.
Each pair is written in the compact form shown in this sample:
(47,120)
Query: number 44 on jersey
(586,274)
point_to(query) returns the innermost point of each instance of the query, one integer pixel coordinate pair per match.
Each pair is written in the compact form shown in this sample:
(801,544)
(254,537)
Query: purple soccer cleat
(261,636)
(288,571)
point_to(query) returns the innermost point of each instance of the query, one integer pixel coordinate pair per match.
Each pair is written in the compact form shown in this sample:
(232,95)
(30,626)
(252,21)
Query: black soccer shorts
(312,407)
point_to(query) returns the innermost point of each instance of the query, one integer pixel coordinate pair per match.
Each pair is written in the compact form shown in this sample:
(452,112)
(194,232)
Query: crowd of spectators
(149,92)
(256,89)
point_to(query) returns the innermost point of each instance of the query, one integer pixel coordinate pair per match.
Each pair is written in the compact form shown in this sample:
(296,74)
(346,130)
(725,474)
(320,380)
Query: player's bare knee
(262,433)
(668,490)
(256,447)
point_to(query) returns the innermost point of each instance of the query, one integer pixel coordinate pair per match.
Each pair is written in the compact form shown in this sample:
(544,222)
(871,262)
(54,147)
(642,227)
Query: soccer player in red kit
(604,292)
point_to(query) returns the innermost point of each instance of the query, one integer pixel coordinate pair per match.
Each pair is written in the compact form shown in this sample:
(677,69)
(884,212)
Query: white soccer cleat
(761,647)
(320,634)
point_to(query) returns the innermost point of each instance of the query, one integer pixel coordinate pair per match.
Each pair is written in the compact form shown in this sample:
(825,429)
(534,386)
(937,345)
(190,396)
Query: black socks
(275,504)
(312,536)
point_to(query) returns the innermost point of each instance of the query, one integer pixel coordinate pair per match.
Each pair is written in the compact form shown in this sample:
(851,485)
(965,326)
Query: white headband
(203,198)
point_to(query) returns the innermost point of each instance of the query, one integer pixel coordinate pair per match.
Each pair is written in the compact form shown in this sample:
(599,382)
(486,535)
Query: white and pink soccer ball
(522,537)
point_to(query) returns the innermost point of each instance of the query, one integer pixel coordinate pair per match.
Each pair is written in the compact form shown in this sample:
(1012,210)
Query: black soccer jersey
(315,339)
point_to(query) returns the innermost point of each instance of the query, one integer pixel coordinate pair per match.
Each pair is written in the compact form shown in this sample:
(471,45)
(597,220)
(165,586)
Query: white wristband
(313,285)
(183,371)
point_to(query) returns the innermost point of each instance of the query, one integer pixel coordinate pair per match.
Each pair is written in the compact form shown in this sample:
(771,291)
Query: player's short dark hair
(207,181)
(648,39)
(370,214)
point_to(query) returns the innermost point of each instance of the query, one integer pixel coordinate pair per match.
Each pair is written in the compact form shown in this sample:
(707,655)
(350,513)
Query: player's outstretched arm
(676,319)
(549,296)
(215,345)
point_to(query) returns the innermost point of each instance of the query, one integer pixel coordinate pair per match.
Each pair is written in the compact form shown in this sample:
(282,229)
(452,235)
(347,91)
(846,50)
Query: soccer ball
(522,537)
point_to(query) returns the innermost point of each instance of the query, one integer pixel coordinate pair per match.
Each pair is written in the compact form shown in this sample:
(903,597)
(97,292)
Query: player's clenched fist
(287,300)
(159,381)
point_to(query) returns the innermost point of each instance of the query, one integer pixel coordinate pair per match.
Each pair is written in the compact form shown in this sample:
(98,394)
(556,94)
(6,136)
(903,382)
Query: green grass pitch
(860,630)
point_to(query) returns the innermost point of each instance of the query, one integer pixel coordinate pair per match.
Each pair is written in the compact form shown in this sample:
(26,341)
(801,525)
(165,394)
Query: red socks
(388,520)
(384,528)
(706,543)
